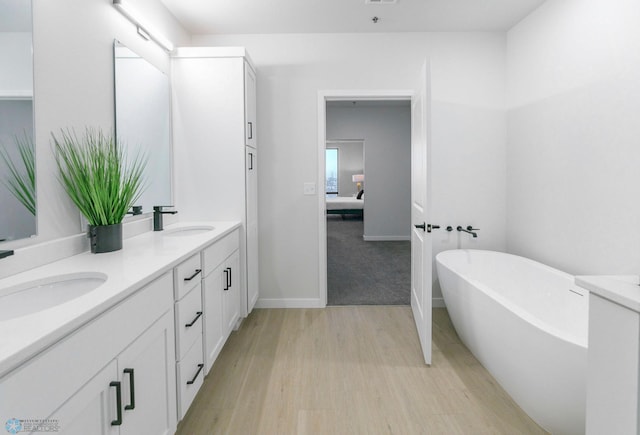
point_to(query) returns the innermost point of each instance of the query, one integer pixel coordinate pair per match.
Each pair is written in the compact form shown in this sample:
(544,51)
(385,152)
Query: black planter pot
(105,238)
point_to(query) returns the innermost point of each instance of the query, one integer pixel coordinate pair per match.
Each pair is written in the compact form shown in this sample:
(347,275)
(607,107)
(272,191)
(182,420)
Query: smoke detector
(380,2)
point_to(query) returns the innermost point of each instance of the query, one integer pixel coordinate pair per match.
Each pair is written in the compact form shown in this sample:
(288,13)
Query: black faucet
(469,230)
(4,254)
(135,210)
(157,216)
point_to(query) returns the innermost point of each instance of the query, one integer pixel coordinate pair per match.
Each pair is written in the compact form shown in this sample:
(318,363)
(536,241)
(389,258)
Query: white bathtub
(527,324)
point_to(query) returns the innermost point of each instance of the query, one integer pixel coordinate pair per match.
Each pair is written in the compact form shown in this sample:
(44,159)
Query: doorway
(368,202)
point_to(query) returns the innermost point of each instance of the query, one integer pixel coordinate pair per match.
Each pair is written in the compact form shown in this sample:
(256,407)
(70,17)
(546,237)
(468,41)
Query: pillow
(360,194)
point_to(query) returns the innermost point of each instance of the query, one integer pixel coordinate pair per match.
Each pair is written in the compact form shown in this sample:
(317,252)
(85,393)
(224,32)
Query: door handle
(250,130)
(427,227)
(132,393)
(118,420)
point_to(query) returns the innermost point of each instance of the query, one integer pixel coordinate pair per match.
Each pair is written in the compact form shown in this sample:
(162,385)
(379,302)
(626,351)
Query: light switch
(309,188)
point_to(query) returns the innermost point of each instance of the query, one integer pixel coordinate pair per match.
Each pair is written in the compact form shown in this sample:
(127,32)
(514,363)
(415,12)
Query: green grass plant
(97,176)
(21,178)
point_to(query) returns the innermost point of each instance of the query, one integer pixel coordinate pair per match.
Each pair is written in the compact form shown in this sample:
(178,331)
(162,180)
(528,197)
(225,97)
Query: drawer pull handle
(226,279)
(118,420)
(132,393)
(194,275)
(198,314)
(200,367)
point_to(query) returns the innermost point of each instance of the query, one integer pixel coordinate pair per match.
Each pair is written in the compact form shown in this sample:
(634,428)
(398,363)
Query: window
(331,176)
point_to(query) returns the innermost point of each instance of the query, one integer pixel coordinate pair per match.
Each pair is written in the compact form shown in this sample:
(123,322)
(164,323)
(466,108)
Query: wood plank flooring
(349,370)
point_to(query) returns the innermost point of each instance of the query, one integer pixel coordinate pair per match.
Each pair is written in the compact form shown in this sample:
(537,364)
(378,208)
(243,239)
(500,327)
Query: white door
(148,380)
(93,409)
(420,238)
(214,337)
(252,229)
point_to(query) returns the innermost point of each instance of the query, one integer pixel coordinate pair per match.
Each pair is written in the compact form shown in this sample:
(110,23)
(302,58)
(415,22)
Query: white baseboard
(438,303)
(385,238)
(289,303)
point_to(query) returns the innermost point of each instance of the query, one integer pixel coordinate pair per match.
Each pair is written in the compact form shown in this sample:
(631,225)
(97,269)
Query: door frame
(323,98)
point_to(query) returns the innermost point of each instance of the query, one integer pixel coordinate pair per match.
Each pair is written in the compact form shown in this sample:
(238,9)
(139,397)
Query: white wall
(468,137)
(73,67)
(386,131)
(574,99)
(350,162)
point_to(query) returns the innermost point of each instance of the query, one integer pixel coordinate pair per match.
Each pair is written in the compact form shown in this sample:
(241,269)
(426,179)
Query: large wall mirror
(143,120)
(17,148)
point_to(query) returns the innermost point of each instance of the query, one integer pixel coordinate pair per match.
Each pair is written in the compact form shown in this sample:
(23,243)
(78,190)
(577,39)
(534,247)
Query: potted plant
(100,181)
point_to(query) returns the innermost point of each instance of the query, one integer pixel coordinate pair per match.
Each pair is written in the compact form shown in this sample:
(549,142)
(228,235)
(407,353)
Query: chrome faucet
(469,230)
(157,216)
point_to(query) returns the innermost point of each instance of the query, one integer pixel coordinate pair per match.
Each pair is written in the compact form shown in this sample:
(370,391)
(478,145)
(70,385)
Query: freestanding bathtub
(527,324)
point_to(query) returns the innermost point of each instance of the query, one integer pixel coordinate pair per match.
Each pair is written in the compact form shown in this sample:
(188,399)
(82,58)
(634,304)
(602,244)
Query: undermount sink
(192,230)
(39,295)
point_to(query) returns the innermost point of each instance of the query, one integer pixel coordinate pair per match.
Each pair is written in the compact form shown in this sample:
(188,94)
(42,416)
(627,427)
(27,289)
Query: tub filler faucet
(157,216)
(469,230)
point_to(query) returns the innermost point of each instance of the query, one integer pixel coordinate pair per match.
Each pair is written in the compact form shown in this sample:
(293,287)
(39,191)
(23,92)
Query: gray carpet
(365,273)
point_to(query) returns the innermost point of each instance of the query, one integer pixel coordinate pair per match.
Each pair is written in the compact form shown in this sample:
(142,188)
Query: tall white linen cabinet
(215,147)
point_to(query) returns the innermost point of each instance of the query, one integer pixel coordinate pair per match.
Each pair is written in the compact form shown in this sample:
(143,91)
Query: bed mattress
(344,203)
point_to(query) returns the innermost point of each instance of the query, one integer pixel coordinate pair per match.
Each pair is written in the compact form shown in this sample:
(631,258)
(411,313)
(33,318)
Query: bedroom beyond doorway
(368,202)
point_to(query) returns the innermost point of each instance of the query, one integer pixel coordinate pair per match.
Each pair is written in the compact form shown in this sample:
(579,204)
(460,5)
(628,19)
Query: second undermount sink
(39,295)
(191,230)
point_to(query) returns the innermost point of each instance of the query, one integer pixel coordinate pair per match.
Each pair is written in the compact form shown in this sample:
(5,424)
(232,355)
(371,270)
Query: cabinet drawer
(188,321)
(187,275)
(220,250)
(190,377)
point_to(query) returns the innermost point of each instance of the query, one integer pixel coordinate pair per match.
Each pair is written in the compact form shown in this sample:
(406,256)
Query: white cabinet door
(148,377)
(231,293)
(214,337)
(252,228)
(93,409)
(250,106)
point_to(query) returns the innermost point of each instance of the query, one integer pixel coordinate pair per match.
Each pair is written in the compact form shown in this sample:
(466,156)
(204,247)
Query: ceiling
(347,16)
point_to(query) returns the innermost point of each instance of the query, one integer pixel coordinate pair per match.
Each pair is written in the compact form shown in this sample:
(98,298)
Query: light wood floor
(349,370)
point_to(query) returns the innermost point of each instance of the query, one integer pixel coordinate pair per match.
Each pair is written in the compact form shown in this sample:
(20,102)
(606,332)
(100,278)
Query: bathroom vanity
(128,351)
(613,358)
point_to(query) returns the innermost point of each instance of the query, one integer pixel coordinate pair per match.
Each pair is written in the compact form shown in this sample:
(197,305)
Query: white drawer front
(220,250)
(189,319)
(187,275)
(190,377)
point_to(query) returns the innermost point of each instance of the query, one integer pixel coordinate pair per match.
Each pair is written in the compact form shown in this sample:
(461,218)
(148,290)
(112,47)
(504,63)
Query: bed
(345,205)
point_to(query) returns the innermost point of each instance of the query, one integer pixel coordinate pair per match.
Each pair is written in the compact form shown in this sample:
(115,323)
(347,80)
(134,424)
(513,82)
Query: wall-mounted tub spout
(469,230)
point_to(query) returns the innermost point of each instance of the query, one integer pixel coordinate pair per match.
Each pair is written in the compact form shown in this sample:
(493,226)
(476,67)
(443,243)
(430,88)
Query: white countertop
(623,290)
(142,259)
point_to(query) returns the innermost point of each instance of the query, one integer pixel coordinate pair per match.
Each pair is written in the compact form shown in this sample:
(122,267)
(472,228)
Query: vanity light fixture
(144,30)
